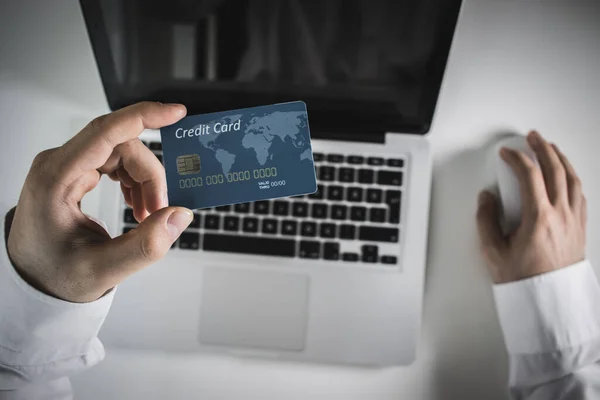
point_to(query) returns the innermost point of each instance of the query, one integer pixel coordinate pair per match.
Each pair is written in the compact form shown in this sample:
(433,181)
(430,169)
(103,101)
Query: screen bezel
(325,115)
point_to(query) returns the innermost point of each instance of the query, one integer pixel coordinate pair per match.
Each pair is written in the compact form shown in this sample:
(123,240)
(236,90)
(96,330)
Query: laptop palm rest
(249,308)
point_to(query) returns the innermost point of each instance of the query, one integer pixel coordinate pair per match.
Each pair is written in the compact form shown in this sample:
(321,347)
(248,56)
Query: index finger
(531,180)
(91,148)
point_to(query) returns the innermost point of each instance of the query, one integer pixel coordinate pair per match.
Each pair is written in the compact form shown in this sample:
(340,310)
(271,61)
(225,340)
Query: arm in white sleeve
(551,326)
(43,340)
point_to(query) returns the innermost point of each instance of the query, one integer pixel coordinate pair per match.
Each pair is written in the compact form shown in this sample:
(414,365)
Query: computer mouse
(508,184)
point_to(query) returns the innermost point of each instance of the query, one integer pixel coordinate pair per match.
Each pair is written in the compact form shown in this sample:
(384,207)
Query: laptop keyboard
(355,213)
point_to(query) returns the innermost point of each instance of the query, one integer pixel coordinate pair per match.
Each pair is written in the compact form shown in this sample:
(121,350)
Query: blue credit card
(239,156)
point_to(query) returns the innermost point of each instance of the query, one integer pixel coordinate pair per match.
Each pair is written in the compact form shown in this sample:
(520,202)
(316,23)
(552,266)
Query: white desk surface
(515,65)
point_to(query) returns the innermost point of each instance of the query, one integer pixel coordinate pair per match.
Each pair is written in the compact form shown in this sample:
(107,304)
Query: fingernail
(179,108)
(178,221)
(533,138)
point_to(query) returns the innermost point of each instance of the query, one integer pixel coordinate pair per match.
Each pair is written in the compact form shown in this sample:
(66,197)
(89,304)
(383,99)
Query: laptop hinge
(371,137)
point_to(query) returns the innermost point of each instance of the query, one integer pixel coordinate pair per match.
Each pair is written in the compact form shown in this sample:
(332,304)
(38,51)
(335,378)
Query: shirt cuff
(548,312)
(37,329)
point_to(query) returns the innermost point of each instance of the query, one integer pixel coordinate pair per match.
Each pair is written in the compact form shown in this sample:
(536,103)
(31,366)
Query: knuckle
(577,184)
(41,159)
(543,217)
(531,170)
(42,172)
(98,122)
(144,104)
(556,165)
(152,247)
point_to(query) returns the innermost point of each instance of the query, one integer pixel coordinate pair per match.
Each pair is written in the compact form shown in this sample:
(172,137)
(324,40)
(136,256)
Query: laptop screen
(372,65)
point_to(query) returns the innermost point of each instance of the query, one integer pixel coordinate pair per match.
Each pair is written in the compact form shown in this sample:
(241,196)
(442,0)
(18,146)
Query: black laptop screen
(358,64)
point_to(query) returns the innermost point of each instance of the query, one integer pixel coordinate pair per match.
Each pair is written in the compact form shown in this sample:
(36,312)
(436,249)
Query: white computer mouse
(508,184)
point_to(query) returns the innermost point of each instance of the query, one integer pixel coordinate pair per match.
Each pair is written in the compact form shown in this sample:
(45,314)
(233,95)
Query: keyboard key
(319,193)
(195,222)
(355,159)
(223,208)
(289,227)
(378,234)
(374,195)
(310,249)
(249,245)
(395,162)
(319,210)
(366,176)
(160,158)
(335,158)
(388,260)
(354,194)
(212,222)
(128,217)
(261,207)
(189,241)
(375,161)
(281,207)
(377,214)
(327,230)
(346,174)
(326,173)
(270,225)
(358,213)
(242,208)
(331,251)
(157,146)
(394,217)
(393,197)
(300,209)
(338,212)
(250,224)
(308,229)
(318,157)
(126,230)
(389,178)
(369,253)
(351,257)
(335,193)
(232,223)
(347,232)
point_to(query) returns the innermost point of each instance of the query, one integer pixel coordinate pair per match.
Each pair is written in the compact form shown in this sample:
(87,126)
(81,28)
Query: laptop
(332,277)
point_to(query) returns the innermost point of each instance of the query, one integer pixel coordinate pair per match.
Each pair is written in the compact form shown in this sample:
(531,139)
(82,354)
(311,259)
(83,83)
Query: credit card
(239,156)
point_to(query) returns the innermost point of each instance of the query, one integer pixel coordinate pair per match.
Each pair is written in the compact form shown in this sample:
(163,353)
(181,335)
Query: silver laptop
(332,277)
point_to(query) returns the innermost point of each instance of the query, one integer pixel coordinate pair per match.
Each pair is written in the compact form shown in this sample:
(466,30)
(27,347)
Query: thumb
(146,244)
(488,225)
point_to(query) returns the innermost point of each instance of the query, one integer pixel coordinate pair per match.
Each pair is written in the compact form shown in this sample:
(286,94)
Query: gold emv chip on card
(188,164)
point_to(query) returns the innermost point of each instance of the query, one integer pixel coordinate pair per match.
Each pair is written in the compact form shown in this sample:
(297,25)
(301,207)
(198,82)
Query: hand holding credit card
(239,156)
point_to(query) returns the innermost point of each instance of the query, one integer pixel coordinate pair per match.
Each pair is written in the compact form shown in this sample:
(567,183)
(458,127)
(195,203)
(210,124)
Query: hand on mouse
(551,234)
(55,246)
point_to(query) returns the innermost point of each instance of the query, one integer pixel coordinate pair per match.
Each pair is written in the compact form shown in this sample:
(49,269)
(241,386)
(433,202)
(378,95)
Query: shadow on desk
(460,316)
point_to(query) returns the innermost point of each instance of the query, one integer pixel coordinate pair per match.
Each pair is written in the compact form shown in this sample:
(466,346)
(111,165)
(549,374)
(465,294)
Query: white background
(515,65)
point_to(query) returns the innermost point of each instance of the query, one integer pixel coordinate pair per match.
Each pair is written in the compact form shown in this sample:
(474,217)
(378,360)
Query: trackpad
(254,309)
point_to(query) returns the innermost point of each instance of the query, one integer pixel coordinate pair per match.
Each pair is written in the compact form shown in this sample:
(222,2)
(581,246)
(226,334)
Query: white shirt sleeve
(551,326)
(43,340)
